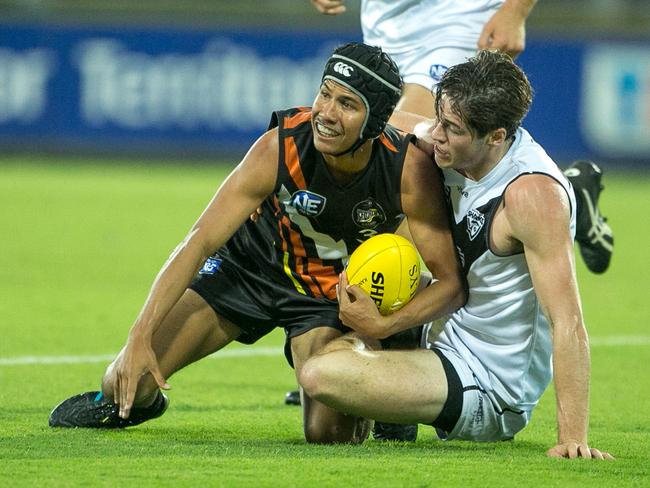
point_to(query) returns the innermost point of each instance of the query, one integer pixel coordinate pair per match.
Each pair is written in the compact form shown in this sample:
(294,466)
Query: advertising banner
(147,90)
(210,92)
(592,99)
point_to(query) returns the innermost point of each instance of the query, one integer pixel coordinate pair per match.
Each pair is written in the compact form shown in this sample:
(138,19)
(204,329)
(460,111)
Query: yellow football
(386,267)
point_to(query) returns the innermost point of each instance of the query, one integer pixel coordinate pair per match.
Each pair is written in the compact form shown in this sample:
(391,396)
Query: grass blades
(82,242)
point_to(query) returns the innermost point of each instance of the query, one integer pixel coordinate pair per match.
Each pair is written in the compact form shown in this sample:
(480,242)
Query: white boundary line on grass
(622,340)
(102,358)
(598,341)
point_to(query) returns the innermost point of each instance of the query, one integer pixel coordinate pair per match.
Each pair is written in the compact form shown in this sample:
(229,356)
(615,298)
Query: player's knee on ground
(318,431)
(326,426)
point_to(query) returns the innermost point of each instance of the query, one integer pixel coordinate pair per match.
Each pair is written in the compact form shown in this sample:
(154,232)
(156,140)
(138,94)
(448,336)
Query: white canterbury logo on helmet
(343,69)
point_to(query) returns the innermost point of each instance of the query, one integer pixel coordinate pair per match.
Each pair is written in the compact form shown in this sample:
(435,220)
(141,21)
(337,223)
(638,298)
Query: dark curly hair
(487,92)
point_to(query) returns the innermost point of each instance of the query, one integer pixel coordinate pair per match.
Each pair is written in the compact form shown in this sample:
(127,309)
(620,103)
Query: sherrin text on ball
(387,268)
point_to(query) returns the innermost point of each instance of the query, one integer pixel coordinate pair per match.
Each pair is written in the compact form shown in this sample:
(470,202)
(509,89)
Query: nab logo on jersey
(475,221)
(307,203)
(344,69)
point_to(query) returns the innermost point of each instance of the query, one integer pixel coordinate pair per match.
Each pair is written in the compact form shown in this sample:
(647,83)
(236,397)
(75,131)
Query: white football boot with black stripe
(593,234)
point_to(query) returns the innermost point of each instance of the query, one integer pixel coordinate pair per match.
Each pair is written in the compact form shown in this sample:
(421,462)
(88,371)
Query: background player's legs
(322,424)
(593,234)
(421,70)
(189,332)
(416,99)
(391,386)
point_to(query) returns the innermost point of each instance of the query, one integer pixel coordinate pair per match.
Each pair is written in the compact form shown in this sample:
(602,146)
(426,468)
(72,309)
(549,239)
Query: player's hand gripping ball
(386,267)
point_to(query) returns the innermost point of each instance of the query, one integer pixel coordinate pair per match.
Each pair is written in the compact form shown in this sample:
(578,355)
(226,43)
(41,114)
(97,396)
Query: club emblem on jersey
(437,70)
(307,203)
(368,214)
(475,221)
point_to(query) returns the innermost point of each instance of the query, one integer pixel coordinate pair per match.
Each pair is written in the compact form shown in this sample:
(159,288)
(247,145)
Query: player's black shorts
(257,304)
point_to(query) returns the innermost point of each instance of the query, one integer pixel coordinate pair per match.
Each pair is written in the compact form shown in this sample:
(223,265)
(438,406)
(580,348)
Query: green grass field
(81,243)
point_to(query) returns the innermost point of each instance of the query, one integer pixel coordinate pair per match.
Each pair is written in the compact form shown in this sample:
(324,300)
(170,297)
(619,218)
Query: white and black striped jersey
(501,333)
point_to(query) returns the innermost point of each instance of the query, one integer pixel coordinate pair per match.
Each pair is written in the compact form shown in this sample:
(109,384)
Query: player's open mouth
(325,131)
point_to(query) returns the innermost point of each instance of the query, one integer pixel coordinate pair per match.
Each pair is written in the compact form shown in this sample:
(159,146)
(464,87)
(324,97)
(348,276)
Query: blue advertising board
(151,90)
(206,92)
(592,99)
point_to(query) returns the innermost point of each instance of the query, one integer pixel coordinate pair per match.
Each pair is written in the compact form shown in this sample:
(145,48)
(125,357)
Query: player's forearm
(438,299)
(571,365)
(521,8)
(169,285)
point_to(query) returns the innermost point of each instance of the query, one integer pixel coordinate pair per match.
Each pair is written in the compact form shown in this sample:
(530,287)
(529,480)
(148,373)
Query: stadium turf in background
(81,243)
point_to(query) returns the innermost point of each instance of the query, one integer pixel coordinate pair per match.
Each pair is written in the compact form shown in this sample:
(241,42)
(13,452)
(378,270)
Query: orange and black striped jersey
(310,224)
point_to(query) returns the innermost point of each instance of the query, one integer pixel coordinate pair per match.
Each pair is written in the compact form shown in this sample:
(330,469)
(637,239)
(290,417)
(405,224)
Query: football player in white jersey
(426,37)
(514,220)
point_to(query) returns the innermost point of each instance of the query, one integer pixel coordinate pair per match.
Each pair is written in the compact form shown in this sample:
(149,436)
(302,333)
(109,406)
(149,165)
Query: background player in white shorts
(514,219)
(426,37)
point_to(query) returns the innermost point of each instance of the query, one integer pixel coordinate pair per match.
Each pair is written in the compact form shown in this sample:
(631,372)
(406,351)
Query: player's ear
(497,137)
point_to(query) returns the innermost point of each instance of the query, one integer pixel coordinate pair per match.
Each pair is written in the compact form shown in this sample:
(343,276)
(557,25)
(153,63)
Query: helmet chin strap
(357,144)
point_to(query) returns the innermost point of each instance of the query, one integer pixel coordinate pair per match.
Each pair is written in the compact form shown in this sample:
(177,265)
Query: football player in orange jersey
(317,173)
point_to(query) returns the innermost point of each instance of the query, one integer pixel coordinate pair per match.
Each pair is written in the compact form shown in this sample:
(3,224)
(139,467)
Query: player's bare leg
(417,99)
(391,386)
(322,424)
(191,331)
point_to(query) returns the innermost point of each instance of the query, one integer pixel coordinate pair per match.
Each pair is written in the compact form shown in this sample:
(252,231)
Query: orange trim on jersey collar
(292,162)
(297,119)
(386,142)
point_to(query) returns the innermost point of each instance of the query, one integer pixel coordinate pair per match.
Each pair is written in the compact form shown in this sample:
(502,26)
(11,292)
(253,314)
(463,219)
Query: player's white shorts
(425,37)
(481,419)
(426,66)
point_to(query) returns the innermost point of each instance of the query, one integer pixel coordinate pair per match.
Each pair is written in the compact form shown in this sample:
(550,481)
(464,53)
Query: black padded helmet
(374,77)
